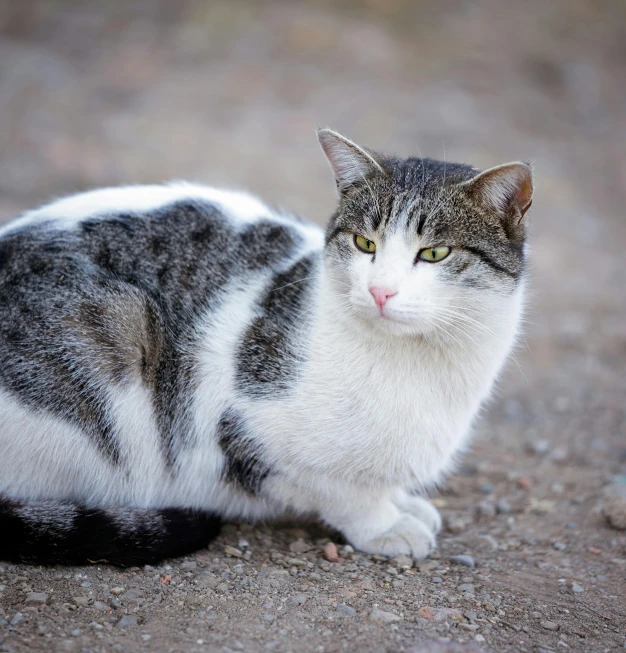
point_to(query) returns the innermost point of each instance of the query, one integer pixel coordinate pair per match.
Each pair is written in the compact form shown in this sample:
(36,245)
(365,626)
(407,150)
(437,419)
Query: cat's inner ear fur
(506,190)
(350,163)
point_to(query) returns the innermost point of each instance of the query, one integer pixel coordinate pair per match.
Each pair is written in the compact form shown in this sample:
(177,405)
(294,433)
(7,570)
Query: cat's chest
(401,392)
(395,415)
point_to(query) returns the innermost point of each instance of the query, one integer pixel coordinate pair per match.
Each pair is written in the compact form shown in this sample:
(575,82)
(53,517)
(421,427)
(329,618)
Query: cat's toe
(409,536)
(424,511)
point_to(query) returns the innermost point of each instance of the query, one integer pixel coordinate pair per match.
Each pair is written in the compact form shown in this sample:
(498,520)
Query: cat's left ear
(506,190)
(350,163)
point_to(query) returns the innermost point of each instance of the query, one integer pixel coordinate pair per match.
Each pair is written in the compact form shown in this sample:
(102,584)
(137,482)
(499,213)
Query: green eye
(365,245)
(434,254)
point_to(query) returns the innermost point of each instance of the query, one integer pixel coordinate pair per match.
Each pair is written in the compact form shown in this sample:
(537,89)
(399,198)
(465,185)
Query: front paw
(423,510)
(408,535)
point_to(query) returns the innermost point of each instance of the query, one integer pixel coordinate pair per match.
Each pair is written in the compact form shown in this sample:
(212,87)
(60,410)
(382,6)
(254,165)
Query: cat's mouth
(394,321)
(395,318)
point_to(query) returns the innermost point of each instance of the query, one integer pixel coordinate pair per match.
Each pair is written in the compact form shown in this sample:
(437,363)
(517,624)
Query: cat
(173,356)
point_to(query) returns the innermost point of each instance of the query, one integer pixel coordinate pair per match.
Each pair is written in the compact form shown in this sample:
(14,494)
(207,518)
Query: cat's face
(419,246)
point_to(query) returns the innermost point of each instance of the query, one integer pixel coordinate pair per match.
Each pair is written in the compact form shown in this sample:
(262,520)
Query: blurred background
(229,93)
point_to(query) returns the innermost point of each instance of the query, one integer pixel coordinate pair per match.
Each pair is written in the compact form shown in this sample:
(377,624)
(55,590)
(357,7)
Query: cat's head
(418,245)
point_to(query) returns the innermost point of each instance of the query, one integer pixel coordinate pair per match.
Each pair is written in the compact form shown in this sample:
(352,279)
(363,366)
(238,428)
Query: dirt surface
(229,93)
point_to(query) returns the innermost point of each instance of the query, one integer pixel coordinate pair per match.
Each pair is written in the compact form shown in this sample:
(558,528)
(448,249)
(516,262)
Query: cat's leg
(420,508)
(377,524)
(372,520)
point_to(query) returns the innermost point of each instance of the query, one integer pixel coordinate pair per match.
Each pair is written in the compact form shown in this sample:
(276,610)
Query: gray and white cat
(173,356)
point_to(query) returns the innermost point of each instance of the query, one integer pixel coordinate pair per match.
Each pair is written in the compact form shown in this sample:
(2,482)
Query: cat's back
(160,238)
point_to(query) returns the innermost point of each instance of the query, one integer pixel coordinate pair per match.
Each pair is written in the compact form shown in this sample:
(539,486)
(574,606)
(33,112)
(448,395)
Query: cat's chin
(394,325)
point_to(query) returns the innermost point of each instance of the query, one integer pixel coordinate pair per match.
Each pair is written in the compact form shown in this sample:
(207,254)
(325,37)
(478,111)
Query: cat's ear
(349,162)
(506,190)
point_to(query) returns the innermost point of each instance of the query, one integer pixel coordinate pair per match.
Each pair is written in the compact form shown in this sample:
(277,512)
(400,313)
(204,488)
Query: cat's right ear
(349,162)
(506,190)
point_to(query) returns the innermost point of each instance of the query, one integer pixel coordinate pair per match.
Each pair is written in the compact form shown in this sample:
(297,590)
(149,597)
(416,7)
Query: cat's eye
(365,245)
(434,254)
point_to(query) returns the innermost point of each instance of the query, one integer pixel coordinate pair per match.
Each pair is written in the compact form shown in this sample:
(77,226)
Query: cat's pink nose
(381,295)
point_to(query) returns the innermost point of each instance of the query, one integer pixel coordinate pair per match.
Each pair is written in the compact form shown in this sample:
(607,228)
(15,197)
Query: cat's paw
(423,510)
(409,535)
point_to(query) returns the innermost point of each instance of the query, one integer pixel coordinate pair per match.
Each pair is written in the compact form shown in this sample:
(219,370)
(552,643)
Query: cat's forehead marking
(409,212)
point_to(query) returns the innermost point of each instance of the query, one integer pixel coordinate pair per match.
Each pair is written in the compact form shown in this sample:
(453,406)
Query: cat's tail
(50,533)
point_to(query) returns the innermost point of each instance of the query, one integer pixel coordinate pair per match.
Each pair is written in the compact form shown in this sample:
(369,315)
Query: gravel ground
(532,557)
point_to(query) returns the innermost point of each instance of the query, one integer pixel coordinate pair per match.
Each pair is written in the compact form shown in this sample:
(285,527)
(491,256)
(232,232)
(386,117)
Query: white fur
(68,212)
(381,407)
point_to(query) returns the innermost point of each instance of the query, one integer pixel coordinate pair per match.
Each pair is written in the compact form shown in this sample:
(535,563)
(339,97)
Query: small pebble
(557,488)
(436,579)
(126,621)
(457,525)
(486,509)
(233,552)
(36,598)
(560,546)
(330,552)
(539,447)
(76,633)
(18,618)
(402,562)
(268,617)
(466,587)
(299,599)
(132,595)
(486,488)
(469,627)
(346,609)
(577,588)
(615,513)
(503,507)
(299,546)
(384,617)
(426,565)
(440,614)
(549,625)
(466,561)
